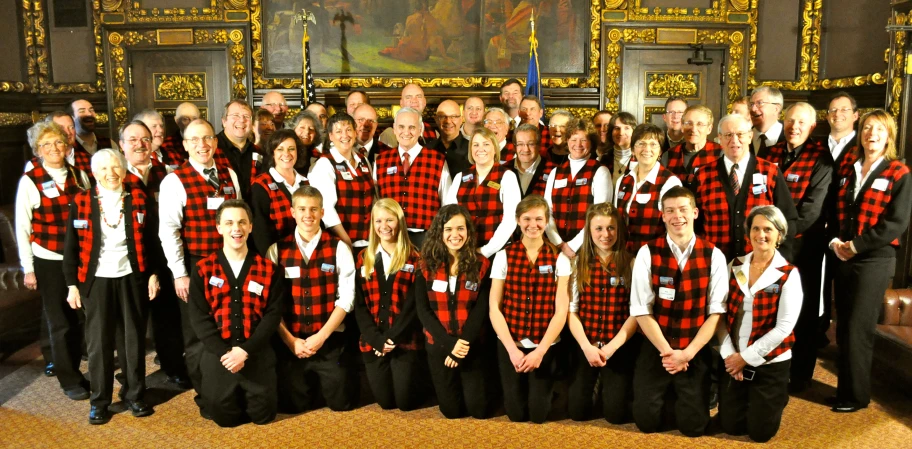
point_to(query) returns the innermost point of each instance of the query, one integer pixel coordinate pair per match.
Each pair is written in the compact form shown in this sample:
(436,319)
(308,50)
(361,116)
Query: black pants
(860,287)
(616,379)
(112,308)
(754,407)
(829,274)
(167,332)
(804,352)
(330,373)
(193,347)
(462,390)
(248,395)
(65,333)
(527,396)
(392,378)
(652,382)
(44,338)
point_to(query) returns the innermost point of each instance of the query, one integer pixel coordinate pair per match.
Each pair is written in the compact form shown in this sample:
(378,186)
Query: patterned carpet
(35,413)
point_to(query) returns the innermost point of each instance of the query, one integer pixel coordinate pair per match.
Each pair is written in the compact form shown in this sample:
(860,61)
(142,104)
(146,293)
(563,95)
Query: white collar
(279,178)
(768,277)
(842,141)
(651,176)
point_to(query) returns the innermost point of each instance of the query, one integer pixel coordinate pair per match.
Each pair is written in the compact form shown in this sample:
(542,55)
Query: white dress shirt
(772,135)
(673,181)
(323,177)
(741,170)
(787,313)
(112,255)
(292,188)
(837,146)
(601,193)
(509,195)
(444,186)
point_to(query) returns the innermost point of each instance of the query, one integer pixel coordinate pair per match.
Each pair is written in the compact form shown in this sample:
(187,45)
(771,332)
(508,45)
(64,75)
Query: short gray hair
(731,117)
(806,106)
(774,94)
(104,154)
(408,111)
(774,215)
(500,111)
(560,113)
(142,115)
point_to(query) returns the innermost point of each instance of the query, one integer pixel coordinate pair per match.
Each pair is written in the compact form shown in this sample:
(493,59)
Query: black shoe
(77,393)
(182,382)
(798,386)
(713,396)
(847,407)
(139,408)
(49,370)
(98,414)
(205,414)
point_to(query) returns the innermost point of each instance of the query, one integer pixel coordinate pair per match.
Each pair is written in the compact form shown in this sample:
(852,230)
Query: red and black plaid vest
(710,152)
(403,280)
(538,183)
(544,139)
(355,197)
(644,220)
(82,159)
(280,204)
(507,153)
(846,163)
(255,164)
(681,318)
(429,134)
(50,218)
(713,202)
(530,291)
(857,215)
(314,292)
(765,309)
(198,231)
(569,203)
(483,201)
(157,173)
(416,192)
(604,305)
(798,174)
(172,150)
(453,309)
(83,201)
(219,297)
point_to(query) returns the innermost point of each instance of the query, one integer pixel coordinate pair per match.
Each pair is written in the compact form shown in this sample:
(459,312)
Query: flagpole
(303,17)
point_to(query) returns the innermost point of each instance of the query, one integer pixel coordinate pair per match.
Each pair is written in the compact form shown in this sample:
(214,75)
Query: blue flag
(533,76)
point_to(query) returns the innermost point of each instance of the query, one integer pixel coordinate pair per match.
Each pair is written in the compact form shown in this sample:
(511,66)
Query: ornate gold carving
(13,86)
(170,112)
(614,4)
(670,84)
(647,35)
(810,50)
(852,81)
(210,36)
(740,5)
(236,4)
(179,86)
(8,119)
(649,111)
(586,113)
(37,54)
(898,50)
(718,12)
(214,13)
(111,5)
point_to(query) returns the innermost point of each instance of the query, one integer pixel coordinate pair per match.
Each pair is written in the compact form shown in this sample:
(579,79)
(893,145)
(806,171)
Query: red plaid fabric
(255,167)
(539,182)
(864,212)
(82,159)
(157,173)
(604,306)
(846,164)
(430,133)
(483,201)
(219,297)
(83,201)
(681,318)
(644,220)
(713,202)
(355,197)
(172,149)
(453,309)
(765,308)
(530,291)
(569,203)
(402,282)
(709,153)
(314,292)
(416,192)
(544,145)
(798,174)
(198,231)
(49,219)
(280,205)
(507,153)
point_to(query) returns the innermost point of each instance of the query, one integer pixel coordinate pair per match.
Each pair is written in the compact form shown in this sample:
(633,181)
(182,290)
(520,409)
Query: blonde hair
(489,136)
(886,120)
(404,247)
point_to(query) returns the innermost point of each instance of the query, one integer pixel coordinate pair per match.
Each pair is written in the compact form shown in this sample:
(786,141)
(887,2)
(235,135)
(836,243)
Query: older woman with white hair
(107,271)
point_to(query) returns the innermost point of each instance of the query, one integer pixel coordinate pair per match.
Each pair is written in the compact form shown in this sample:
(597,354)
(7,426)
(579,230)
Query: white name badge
(81,224)
(364,169)
(408,268)
(560,183)
(51,193)
(255,287)
(643,198)
(228,190)
(346,175)
(842,181)
(582,181)
(439,286)
(50,185)
(772,288)
(392,170)
(174,167)
(545,269)
(759,178)
(792,177)
(214,203)
(218,282)
(667,294)
(257,157)
(526,343)
(328,268)
(880,184)
(139,217)
(292,272)
(273,186)
(468,177)
(758,189)
(471,286)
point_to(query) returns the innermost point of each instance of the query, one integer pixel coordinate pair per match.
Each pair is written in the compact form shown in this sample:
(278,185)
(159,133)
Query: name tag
(582,181)
(472,286)
(842,181)
(364,169)
(228,190)
(273,186)
(51,193)
(792,177)
(218,282)
(740,277)
(880,184)
(545,269)
(255,288)
(493,185)
(392,170)
(408,268)
(81,224)
(468,177)
(545,177)
(439,286)
(759,178)
(139,217)
(341,167)
(560,183)
(643,198)
(328,268)
(667,294)
(665,280)
(50,185)
(617,280)
(214,203)
(526,343)
(257,157)
(695,169)
(292,272)
(758,189)
(772,288)
(174,167)
(346,175)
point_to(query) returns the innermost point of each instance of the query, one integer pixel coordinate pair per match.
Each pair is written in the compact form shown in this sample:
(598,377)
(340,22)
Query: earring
(778,243)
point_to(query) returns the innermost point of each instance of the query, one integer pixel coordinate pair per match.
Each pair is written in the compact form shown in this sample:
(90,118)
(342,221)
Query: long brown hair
(622,260)
(435,254)
(536,202)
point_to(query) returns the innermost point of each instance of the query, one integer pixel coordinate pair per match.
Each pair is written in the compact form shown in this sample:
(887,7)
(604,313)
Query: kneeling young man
(320,291)
(679,286)
(235,308)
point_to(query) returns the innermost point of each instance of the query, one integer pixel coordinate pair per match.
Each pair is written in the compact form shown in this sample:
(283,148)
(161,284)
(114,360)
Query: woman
(271,191)
(42,211)
(873,208)
(344,179)
(622,125)
(640,191)
(385,308)
(764,303)
(309,130)
(489,191)
(573,186)
(452,300)
(107,271)
(600,319)
(264,128)
(529,301)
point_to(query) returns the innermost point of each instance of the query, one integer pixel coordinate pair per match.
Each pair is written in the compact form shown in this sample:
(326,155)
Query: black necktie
(733,177)
(762,149)
(212,177)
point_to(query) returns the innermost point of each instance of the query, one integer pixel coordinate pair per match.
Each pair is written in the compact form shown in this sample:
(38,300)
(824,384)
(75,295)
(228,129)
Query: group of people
(612,253)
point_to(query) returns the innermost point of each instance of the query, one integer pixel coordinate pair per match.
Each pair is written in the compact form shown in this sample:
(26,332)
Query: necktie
(762,149)
(733,177)
(212,177)
(406,164)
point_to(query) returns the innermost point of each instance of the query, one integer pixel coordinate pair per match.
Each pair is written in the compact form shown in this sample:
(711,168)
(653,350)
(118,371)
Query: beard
(87,123)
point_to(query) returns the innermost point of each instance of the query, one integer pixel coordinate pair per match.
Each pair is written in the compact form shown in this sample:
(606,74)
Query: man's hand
(461,349)
(182,288)
(565,248)
(154,287)
(675,361)
(30,281)
(531,361)
(594,356)
(734,365)
(299,347)
(234,359)
(314,343)
(73,297)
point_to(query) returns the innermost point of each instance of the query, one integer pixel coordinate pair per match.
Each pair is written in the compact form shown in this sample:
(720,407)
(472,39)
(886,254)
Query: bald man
(366,129)
(451,142)
(412,97)
(275,103)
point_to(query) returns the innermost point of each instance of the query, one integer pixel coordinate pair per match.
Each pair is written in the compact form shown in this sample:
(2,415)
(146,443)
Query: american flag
(308,91)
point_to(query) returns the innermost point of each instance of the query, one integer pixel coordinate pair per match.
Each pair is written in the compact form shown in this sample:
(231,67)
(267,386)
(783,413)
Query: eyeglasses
(493,122)
(524,145)
(363,120)
(275,105)
(698,124)
(237,116)
(47,145)
(843,110)
(557,126)
(197,140)
(641,145)
(134,141)
(674,113)
(448,117)
(760,104)
(741,135)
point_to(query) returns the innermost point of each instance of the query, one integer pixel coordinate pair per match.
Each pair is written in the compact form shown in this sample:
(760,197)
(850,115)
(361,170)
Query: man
(674,111)
(415,178)
(194,192)
(451,143)
(602,122)
(183,116)
(678,292)
(558,153)
(236,306)
(319,109)
(235,147)
(170,156)
(354,99)
(808,170)
(320,292)
(695,151)
(726,190)
(498,121)
(511,94)
(265,126)
(87,143)
(275,103)
(412,97)
(531,112)
(365,129)
(531,169)
(765,106)
(473,111)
